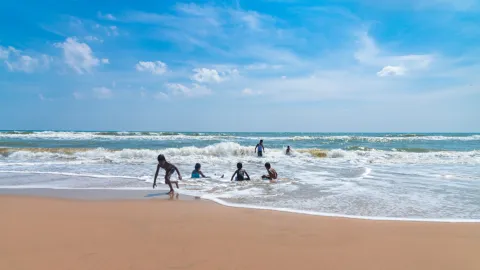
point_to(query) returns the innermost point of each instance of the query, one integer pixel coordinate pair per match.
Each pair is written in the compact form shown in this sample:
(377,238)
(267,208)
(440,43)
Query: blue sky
(233,65)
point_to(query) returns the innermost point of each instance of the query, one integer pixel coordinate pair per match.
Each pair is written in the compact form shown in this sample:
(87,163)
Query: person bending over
(272,174)
(170,169)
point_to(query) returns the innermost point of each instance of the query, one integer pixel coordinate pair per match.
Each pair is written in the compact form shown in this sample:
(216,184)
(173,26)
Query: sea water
(374,175)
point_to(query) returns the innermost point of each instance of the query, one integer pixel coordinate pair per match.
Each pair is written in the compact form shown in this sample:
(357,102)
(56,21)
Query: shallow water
(406,176)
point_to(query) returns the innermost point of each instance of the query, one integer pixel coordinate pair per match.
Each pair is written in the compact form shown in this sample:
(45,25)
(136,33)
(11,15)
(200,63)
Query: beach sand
(47,234)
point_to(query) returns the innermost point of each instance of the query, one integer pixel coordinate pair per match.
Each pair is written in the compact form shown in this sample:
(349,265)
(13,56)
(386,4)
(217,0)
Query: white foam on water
(170,136)
(222,202)
(372,183)
(231,150)
(221,190)
(367,172)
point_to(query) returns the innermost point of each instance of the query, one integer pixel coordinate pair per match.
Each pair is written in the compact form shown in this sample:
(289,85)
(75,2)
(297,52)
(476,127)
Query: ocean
(386,176)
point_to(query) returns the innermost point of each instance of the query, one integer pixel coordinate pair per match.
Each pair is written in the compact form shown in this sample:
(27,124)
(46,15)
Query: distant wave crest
(119,135)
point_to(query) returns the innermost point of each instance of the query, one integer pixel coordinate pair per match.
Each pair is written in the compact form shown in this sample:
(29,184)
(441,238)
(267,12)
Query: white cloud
(112,30)
(370,55)
(215,75)
(5,52)
(231,72)
(93,38)
(415,61)
(24,63)
(178,89)
(105,61)
(43,98)
(16,61)
(225,32)
(368,50)
(159,95)
(102,92)
(197,10)
(198,19)
(457,5)
(391,71)
(107,16)
(78,56)
(195,90)
(247,92)
(260,66)
(250,92)
(190,24)
(252,19)
(157,67)
(271,53)
(205,75)
(84,29)
(77,95)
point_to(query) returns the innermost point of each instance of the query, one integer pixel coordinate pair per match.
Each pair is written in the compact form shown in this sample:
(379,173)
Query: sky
(238,65)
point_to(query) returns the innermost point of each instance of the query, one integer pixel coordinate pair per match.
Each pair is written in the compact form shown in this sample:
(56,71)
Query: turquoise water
(415,142)
(383,175)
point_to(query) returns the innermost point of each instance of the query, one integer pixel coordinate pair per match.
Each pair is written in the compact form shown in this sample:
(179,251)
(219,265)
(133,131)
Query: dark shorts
(169,174)
(260,153)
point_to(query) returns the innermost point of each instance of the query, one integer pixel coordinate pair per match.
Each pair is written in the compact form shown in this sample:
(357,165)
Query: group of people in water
(260,149)
(239,175)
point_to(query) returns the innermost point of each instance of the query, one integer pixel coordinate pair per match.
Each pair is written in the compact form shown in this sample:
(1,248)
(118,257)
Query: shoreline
(120,194)
(45,233)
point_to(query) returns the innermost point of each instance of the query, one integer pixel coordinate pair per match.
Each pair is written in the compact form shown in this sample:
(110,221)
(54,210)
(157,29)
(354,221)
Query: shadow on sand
(163,195)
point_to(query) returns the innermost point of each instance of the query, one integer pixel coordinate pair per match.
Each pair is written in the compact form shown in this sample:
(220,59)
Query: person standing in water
(170,169)
(289,150)
(259,148)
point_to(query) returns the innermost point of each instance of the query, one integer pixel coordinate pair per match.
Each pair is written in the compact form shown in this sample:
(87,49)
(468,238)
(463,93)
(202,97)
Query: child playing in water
(259,148)
(272,174)
(169,170)
(197,173)
(240,173)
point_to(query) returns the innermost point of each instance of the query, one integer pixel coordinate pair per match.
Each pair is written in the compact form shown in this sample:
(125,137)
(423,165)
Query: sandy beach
(47,233)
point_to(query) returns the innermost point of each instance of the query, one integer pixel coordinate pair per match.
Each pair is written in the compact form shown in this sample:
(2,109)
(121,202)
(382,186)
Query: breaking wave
(227,150)
(119,135)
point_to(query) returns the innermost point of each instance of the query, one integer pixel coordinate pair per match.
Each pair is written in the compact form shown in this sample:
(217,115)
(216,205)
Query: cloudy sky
(238,65)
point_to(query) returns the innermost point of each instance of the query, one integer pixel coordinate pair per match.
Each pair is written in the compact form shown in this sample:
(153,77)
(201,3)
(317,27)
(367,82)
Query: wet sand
(93,194)
(52,233)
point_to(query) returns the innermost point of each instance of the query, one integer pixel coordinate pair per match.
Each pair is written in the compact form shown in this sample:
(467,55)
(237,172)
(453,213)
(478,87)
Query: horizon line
(176,131)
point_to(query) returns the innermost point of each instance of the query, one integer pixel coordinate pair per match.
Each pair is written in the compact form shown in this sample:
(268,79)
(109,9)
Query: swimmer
(240,173)
(272,174)
(197,173)
(289,150)
(169,170)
